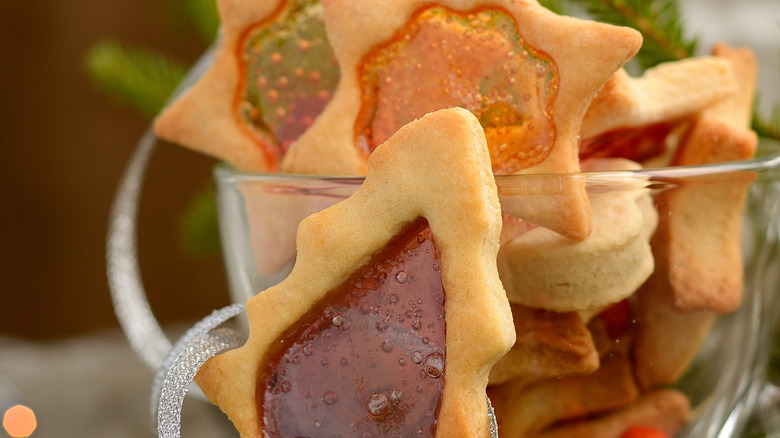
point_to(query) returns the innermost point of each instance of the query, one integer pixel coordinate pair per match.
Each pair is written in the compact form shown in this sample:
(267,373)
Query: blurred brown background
(64,148)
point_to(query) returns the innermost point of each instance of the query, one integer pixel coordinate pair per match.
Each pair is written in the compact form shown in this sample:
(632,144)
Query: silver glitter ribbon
(131,305)
(492,419)
(203,341)
(200,343)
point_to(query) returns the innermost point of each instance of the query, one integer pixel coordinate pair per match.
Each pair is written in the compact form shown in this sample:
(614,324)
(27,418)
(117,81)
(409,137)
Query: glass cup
(698,319)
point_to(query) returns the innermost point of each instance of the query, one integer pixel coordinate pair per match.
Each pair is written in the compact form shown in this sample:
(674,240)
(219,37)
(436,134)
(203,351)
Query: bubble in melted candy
(378,404)
(329,397)
(387,346)
(433,365)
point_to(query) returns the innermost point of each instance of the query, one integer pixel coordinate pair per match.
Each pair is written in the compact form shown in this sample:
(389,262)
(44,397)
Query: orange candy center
(478,61)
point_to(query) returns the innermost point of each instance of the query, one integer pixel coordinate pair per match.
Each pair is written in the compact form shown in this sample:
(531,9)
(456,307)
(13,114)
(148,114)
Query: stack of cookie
(565,308)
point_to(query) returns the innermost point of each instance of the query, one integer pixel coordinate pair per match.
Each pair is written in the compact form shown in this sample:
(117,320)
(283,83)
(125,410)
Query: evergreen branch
(141,79)
(201,16)
(199,227)
(659,22)
(767,127)
(754,429)
(557,6)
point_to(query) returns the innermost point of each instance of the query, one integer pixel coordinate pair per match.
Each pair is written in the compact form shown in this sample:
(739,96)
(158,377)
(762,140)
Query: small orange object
(19,421)
(643,432)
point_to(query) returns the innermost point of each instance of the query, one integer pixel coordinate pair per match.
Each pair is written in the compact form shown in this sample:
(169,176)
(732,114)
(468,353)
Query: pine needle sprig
(659,22)
(199,225)
(202,16)
(141,79)
(557,6)
(767,127)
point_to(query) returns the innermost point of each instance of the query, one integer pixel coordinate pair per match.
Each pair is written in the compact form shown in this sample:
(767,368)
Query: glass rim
(767,159)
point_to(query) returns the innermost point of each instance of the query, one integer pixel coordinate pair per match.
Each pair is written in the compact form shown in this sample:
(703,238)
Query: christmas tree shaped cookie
(394,314)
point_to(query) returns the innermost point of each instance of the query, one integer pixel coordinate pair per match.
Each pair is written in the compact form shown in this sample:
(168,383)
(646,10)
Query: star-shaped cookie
(722,131)
(527,410)
(700,236)
(273,73)
(527,73)
(666,410)
(698,243)
(394,313)
(665,93)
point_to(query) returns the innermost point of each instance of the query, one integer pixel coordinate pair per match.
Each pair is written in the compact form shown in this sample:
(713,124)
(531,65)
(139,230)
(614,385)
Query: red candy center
(370,360)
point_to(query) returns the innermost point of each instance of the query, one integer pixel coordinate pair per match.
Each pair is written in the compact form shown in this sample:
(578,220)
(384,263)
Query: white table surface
(91,386)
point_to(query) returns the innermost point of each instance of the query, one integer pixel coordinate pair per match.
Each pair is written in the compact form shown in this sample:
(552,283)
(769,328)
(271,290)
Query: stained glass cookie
(526,73)
(273,73)
(393,314)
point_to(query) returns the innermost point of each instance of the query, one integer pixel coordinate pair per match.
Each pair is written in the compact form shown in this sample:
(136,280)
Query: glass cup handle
(767,409)
(124,278)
